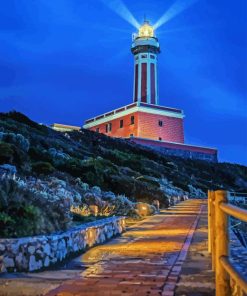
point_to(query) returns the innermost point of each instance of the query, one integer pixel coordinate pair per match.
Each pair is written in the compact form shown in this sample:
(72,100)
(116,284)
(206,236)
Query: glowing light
(146,31)
(121,9)
(178,7)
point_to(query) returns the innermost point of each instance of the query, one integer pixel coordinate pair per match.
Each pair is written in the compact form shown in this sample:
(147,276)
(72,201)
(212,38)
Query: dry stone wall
(34,253)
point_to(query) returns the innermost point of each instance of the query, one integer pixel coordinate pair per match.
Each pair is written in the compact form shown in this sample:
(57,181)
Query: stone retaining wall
(33,253)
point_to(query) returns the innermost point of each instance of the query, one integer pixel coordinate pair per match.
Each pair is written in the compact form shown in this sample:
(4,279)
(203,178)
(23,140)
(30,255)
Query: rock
(31,250)
(14,248)
(54,260)
(47,249)
(102,237)
(47,261)
(39,254)
(18,260)
(2,268)
(2,248)
(21,262)
(8,262)
(33,264)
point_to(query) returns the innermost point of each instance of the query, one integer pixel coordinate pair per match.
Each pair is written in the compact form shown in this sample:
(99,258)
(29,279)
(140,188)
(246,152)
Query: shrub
(6,152)
(42,167)
(16,139)
(17,116)
(25,210)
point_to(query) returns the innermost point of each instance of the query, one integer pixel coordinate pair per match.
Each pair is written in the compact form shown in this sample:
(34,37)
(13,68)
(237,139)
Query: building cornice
(133,108)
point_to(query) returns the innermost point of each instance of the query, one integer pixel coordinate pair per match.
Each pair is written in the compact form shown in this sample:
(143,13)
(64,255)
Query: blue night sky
(68,60)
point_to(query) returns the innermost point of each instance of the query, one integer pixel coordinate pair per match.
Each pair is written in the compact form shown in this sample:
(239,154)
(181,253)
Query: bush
(42,167)
(6,153)
(26,209)
(16,139)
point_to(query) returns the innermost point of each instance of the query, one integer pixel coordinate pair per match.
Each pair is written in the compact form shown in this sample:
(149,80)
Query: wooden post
(212,211)
(209,222)
(221,245)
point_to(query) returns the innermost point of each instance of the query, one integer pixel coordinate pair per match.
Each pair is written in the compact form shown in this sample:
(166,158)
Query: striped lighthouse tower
(145,48)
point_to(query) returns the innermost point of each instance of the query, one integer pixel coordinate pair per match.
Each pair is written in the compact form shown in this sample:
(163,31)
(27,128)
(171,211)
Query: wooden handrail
(219,211)
(234,211)
(234,273)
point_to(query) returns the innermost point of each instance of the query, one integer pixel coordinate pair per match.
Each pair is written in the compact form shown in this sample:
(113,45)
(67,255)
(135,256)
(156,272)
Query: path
(146,260)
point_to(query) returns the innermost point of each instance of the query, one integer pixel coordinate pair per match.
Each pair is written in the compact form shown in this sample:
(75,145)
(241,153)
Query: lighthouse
(145,48)
(145,121)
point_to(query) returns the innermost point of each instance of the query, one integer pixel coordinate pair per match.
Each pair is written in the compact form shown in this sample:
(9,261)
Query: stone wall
(33,253)
(176,149)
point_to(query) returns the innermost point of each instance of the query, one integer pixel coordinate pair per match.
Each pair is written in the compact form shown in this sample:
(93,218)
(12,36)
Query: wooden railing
(219,211)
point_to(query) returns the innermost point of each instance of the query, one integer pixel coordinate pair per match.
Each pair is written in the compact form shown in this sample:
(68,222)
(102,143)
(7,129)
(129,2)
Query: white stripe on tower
(156,82)
(139,79)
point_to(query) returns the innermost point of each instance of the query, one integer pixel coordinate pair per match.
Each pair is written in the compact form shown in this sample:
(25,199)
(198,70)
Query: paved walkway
(146,260)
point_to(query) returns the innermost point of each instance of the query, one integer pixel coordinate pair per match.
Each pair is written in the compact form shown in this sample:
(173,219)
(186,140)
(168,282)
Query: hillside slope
(112,164)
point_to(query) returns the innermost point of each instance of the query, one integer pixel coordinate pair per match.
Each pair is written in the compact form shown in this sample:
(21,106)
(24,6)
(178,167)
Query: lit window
(132,119)
(160,123)
(121,123)
(97,129)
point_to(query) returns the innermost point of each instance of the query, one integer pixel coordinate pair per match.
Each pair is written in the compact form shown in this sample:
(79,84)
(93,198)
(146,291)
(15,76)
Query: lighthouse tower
(145,121)
(145,48)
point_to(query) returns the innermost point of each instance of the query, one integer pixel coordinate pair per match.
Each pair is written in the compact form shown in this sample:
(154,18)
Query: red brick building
(145,121)
(141,120)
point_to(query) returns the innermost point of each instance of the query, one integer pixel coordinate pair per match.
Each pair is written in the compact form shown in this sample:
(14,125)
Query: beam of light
(121,9)
(178,7)
(181,29)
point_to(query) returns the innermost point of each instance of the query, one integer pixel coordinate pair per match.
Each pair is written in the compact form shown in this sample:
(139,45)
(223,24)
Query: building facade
(145,121)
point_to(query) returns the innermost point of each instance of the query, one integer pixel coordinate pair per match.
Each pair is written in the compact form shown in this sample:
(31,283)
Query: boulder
(47,261)
(2,248)
(8,262)
(47,249)
(33,264)
(31,250)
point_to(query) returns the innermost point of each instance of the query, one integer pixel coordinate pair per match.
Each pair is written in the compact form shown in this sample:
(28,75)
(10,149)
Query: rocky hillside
(112,164)
(59,171)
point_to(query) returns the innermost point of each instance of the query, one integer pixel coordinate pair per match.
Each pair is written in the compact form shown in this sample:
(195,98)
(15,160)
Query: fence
(219,211)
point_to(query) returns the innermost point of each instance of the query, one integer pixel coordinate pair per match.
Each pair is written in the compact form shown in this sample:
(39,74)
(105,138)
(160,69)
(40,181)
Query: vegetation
(115,165)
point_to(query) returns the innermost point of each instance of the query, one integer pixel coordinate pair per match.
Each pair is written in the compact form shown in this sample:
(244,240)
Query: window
(121,123)
(131,135)
(97,130)
(144,56)
(132,119)
(137,57)
(108,127)
(152,57)
(160,139)
(160,123)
